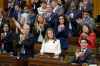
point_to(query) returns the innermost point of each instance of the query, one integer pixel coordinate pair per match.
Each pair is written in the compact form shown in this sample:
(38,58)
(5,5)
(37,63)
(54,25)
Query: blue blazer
(52,20)
(63,35)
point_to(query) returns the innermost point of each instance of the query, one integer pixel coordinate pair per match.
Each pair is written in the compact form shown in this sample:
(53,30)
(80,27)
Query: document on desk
(93,65)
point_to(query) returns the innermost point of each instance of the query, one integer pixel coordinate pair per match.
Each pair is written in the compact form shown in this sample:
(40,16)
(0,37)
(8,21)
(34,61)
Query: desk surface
(44,61)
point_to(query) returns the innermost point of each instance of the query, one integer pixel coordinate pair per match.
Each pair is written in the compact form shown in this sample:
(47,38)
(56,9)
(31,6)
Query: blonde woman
(39,28)
(51,44)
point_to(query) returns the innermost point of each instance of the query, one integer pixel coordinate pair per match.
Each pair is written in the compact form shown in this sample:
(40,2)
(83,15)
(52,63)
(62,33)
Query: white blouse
(51,46)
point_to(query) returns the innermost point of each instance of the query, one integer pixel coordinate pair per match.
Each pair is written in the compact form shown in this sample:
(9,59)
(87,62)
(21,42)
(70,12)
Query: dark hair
(65,20)
(90,30)
(7,23)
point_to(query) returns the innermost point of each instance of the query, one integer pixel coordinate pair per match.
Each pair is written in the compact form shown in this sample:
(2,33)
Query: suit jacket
(51,20)
(84,58)
(62,35)
(86,55)
(8,42)
(28,44)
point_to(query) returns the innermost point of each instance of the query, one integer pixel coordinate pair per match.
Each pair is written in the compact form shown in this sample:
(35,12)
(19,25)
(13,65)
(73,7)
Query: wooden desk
(43,61)
(6,60)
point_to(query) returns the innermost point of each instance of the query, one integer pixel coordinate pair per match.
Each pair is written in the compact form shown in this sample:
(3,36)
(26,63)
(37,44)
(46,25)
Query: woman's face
(6,28)
(61,20)
(44,5)
(85,29)
(40,19)
(26,29)
(50,34)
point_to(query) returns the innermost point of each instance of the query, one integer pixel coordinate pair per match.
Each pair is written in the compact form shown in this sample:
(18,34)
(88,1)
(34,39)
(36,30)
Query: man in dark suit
(50,16)
(83,54)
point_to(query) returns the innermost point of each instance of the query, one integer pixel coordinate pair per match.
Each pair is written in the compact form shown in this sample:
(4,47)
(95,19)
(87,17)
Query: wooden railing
(6,60)
(44,61)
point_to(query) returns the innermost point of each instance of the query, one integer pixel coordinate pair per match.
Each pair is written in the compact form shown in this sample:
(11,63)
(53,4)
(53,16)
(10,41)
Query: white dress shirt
(51,46)
(41,11)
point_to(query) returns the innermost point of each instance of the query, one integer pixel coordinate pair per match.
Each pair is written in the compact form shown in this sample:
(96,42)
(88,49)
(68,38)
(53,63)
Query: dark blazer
(84,58)
(13,13)
(36,33)
(8,42)
(28,44)
(52,20)
(62,35)
(74,30)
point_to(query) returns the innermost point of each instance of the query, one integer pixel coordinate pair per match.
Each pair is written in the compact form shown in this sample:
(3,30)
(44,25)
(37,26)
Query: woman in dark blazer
(61,31)
(39,28)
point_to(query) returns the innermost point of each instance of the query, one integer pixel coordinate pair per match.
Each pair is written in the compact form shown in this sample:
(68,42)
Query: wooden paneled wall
(1,3)
(96,4)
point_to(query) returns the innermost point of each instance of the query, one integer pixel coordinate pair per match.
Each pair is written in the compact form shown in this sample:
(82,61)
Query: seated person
(82,54)
(50,44)
(6,39)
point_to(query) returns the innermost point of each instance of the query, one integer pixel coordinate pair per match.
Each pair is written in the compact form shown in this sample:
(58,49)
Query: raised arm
(17,24)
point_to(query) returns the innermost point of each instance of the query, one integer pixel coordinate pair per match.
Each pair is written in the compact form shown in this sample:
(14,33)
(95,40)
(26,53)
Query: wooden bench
(44,61)
(6,60)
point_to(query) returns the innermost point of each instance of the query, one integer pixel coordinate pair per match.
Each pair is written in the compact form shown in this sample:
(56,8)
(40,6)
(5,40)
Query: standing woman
(39,28)
(87,33)
(50,44)
(61,30)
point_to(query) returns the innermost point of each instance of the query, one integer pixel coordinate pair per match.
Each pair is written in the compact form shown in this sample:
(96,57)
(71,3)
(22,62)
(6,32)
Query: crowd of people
(52,23)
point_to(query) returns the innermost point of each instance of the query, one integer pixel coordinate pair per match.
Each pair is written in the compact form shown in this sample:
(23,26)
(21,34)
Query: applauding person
(87,33)
(51,44)
(83,54)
